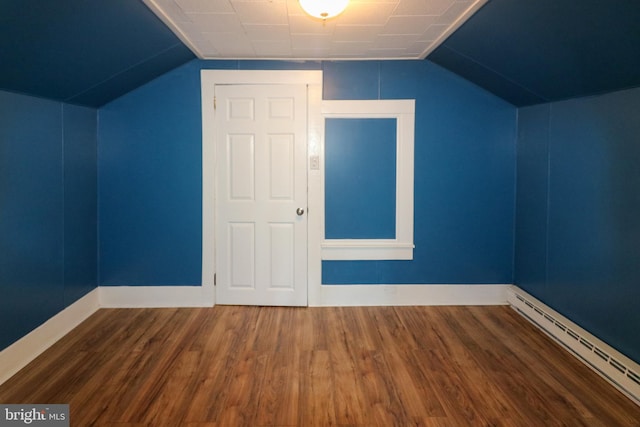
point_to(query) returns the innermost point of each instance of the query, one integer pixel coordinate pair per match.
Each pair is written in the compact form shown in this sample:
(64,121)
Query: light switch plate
(314,163)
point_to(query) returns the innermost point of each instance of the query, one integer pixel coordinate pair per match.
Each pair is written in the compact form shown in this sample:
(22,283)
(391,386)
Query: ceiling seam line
(498,74)
(598,93)
(68,99)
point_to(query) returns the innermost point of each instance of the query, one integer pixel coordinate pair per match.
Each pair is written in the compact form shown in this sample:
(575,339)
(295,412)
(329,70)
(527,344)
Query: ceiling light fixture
(324,9)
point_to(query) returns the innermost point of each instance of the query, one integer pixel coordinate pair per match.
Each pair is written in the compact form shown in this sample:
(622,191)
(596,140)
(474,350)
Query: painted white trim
(473,8)
(169,22)
(366,249)
(386,295)
(587,348)
(210,78)
(315,185)
(400,248)
(208,185)
(313,80)
(366,108)
(26,349)
(156,296)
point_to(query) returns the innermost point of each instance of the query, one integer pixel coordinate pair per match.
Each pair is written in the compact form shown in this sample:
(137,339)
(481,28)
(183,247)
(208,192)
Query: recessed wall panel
(360,178)
(240,167)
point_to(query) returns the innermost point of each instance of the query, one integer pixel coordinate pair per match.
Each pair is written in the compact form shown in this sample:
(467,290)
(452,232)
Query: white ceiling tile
(388,53)
(408,24)
(416,48)
(451,14)
(394,41)
(205,6)
(313,41)
(374,1)
(311,53)
(216,22)
(210,53)
(261,12)
(267,32)
(366,14)
(206,48)
(171,8)
(382,29)
(353,49)
(303,24)
(231,45)
(422,7)
(294,8)
(433,32)
(191,30)
(356,32)
(273,48)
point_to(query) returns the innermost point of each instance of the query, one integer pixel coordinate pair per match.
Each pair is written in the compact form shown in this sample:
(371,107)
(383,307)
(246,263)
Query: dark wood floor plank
(362,366)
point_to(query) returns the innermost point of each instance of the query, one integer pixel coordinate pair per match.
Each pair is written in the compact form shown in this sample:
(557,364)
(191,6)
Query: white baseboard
(155,296)
(371,295)
(26,349)
(620,371)
(326,295)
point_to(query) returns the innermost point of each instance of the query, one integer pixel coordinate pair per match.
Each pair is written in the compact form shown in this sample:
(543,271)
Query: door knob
(300,211)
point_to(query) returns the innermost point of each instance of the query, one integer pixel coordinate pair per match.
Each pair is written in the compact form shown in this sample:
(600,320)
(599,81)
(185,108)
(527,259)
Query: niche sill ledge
(357,249)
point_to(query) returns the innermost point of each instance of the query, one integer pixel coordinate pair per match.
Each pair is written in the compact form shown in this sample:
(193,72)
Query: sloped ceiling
(85,52)
(534,51)
(89,52)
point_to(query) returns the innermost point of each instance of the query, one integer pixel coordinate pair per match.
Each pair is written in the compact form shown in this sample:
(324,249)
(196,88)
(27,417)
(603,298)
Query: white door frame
(315,138)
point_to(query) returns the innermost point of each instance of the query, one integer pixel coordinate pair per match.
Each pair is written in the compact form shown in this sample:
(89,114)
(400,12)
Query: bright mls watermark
(34,415)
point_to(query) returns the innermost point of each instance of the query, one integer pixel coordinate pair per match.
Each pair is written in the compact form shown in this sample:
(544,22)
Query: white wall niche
(401,247)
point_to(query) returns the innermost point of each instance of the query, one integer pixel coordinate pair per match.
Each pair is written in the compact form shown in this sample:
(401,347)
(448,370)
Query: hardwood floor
(367,366)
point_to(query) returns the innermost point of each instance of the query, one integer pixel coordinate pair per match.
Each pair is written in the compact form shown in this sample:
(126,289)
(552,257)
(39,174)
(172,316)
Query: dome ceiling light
(324,9)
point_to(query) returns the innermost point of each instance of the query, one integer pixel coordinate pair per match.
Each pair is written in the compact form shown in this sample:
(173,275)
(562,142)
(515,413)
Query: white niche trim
(401,247)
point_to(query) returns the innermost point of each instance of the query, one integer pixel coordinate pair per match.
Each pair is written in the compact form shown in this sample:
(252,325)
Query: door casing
(315,138)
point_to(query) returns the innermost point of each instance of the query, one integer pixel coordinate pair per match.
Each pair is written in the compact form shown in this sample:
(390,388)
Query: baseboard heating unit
(617,369)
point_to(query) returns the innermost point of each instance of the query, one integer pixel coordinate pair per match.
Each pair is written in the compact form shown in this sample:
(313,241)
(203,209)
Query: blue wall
(150,183)
(47,210)
(150,176)
(577,222)
(578,212)
(360,178)
(150,180)
(464,175)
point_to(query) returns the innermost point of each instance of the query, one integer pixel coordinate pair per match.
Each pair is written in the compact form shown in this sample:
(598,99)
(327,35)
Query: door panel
(281,167)
(282,240)
(261,181)
(242,250)
(241,165)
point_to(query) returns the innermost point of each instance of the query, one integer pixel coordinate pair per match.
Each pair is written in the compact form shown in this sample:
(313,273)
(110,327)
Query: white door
(261,194)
